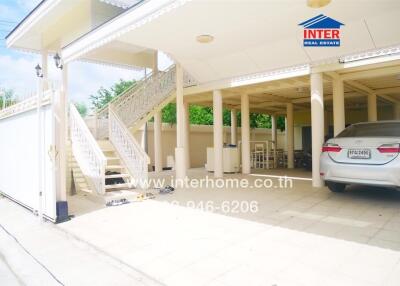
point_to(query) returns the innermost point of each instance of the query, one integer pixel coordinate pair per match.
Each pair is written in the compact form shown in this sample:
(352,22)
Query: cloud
(18,74)
(84,78)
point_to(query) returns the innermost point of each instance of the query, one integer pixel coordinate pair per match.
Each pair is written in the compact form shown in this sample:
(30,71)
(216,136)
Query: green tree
(82,108)
(104,96)
(169,113)
(203,115)
(10,97)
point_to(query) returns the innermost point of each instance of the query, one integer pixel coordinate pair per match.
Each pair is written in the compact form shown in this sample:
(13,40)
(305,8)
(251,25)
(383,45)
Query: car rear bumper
(378,175)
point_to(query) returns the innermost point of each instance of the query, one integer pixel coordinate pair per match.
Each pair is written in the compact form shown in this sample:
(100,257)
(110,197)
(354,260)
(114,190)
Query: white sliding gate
(27,163)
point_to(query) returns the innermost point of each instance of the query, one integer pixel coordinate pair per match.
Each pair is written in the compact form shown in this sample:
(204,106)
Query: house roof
(321,22)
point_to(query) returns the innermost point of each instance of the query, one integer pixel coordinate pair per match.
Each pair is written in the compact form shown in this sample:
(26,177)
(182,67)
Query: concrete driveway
(298,236)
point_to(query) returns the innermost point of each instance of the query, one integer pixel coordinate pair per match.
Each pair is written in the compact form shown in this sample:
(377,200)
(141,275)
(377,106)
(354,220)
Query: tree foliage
(203,115)
(104,95)
(82,108)
(10,98)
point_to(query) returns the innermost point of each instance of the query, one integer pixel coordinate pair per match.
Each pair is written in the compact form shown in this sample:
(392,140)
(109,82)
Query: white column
(158,142)
(45,70)
(372,108)
(233,127)
(245,113)
(155,62)
(290,135)
(274,138)
(396,111)
(218,134)
(338,107)
(62,152)
(157,128)
(180,152)
(186,132)
(317,125)
(286,132)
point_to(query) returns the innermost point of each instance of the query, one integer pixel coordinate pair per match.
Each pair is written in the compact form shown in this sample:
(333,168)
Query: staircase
(112,147)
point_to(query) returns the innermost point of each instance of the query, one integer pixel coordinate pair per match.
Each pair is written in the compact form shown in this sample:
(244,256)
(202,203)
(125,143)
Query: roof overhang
(249,38)
(26,25)
(125,4)
(137,16)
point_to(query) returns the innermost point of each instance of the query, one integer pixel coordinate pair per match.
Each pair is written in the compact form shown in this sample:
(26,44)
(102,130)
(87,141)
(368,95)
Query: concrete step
(112,158)
(117,176)
(117,186)
(114,167)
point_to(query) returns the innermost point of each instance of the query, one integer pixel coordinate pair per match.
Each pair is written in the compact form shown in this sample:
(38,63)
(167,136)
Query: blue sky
(17,68)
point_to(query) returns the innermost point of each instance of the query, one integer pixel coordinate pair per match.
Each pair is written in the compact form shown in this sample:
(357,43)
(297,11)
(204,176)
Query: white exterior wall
(19,160)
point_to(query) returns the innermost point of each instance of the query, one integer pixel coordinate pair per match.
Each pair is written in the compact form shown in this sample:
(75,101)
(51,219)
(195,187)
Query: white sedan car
(364,153)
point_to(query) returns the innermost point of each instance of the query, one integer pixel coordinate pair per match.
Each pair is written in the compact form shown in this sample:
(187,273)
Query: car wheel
(336,187)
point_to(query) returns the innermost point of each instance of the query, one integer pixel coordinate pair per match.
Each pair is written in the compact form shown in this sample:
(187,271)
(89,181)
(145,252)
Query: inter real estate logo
(321,31)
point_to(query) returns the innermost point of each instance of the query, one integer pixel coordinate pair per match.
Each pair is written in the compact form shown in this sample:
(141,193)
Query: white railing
(87,152)
(139,100)
(131,153)
(25,105)
(150,94)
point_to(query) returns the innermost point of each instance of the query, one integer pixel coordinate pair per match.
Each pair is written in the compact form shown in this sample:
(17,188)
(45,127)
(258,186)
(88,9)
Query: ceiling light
(204,39)
(317,3)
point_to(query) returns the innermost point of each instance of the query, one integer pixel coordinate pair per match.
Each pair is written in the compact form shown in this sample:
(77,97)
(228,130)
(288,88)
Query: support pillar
(45,70)
(274,138)
(233,127)
(180,152)
(372,107)
(290,135)
(63,135)
(218,134)
(338,107)
(158,164)
(245,114)
(158,142)
(396,111)
(317,125)
(186,131)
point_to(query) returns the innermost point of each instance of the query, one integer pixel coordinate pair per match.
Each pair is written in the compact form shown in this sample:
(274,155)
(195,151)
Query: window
(384,129)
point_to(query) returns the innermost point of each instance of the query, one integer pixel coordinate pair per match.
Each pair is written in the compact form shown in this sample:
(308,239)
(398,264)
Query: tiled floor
(299,236)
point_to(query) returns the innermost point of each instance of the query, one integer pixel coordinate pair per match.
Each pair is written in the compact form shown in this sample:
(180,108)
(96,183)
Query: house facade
(320,67)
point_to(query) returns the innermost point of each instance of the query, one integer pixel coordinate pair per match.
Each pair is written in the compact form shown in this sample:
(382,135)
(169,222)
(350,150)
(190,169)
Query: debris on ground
(114,203)
(167,190)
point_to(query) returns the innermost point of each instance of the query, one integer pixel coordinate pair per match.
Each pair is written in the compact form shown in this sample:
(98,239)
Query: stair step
(108,167)
(117,186)
(117,176)
(112,158)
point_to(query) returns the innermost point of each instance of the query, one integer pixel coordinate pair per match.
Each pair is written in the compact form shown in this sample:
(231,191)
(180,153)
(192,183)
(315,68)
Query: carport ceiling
(262,35)
(271,97)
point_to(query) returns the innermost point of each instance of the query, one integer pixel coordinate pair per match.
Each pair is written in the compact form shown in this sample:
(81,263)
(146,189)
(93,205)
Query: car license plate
(359,154)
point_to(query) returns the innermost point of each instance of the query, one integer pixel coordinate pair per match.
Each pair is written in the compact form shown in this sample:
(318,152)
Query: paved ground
(46,255)
(299,236)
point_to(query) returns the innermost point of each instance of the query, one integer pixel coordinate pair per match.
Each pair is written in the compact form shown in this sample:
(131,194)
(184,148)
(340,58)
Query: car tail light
(389,148)
(329,147)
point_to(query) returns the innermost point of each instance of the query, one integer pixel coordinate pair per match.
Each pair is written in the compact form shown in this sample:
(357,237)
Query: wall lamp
(57,60)
(39,72)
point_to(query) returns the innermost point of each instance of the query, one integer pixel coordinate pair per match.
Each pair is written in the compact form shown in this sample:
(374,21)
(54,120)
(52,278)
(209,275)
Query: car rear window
(387,129)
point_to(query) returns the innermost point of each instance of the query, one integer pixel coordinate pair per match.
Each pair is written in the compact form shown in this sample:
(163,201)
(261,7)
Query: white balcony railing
(129,150)
(87,152)
(141,99)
